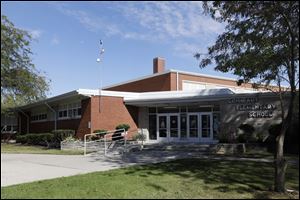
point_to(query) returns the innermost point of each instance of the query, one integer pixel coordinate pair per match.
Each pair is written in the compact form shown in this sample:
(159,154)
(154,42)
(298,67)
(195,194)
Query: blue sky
(66,39)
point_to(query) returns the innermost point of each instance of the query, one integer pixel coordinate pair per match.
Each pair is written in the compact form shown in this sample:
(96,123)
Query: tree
(260,41)
(21,82)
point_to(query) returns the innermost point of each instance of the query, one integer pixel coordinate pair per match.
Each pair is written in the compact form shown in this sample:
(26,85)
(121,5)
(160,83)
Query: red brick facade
(83,124)
(158,83)
(112,113)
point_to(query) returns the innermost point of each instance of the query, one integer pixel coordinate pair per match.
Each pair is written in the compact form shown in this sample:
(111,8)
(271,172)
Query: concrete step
(179,147)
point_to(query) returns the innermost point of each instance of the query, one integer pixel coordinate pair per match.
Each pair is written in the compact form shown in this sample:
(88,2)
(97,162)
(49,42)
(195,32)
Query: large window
(39,117)
(72,110)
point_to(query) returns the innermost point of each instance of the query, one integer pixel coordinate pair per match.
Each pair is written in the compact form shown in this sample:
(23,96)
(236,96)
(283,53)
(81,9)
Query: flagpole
(99,60)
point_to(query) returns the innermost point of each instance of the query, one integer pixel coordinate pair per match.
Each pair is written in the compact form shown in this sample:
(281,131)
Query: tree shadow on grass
(222,176)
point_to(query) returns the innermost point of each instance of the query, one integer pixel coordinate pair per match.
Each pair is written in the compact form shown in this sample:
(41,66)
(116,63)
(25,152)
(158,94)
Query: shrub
(100,131)
(260,137)
(241,138)
(21,139)
(139,136)
(123,126)
(223,138)
(62,134)
(248,131)
(36,139)
(70,139)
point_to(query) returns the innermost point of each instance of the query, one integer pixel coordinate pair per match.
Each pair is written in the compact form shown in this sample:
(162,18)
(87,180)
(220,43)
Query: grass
(186,178)
(18,148)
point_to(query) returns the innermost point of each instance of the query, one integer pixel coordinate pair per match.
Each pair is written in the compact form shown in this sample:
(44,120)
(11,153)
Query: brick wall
(156,83)
(85,118)
(113,112)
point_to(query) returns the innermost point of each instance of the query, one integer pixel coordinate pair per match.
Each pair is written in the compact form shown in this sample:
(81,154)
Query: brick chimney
(158,65)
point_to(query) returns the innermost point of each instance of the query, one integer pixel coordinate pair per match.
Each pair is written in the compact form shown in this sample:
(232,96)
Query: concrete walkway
(23,168)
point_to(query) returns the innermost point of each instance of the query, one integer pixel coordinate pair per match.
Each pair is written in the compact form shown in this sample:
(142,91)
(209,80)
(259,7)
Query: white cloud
(55,41)
(171,19)
(35,34)
(179,24)
(89,21)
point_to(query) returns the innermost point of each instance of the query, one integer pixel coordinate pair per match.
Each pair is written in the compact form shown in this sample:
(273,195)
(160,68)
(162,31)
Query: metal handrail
(104,139)
(4,128)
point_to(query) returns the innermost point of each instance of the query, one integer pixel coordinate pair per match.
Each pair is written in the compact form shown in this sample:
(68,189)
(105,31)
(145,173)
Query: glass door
(193,127)
(168,127)
(173,129)
(206,127)
(162,127)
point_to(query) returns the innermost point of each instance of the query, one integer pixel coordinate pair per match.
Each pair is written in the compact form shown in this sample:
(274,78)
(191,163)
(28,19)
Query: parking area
(23,168)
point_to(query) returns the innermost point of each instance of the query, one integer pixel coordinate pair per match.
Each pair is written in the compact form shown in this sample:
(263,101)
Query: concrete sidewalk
(23,168)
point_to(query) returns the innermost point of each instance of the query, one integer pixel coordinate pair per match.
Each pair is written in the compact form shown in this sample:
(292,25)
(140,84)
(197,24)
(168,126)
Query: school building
(168,106)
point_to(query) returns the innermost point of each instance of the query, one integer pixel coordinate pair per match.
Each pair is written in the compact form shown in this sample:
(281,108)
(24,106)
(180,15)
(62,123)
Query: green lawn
(18,148)
(186,178)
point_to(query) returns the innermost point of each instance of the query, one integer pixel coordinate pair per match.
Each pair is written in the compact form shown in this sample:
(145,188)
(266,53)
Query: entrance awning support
(55,122)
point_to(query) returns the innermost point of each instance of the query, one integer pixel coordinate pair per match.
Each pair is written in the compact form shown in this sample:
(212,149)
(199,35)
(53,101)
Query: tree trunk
(280,162)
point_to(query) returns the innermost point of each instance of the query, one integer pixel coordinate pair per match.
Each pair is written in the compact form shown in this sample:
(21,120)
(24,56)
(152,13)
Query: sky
(66,39)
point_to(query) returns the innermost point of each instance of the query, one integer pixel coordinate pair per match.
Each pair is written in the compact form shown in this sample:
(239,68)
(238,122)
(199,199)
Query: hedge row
(52,139)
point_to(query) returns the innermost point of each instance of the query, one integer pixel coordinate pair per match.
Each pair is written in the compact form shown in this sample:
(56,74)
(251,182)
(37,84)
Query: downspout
(26,117)
(55,121)
(177,87)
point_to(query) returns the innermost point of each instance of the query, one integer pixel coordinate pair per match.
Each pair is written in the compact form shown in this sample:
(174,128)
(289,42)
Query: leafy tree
(260,41)
(21,82)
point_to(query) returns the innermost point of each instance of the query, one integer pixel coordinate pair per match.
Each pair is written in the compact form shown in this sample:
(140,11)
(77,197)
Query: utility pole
(99,60)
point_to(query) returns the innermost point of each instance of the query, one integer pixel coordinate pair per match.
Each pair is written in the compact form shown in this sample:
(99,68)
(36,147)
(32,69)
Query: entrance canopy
(178,97)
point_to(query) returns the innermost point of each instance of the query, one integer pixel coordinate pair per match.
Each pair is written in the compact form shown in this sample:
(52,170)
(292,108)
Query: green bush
(62,134)
(102,131)
(241,138)
(223,138)
(44,139)
(21,139)
(123,126)
(248,131)
(139,136)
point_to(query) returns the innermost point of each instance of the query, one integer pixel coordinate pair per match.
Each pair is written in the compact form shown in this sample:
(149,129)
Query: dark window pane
(174,126)
(162,133)
(168,110)
(152,110)
(199,109)
(183,126)
(193,132)
(152,127)
(193,123)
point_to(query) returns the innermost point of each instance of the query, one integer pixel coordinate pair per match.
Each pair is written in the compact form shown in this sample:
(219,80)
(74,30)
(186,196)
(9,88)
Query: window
(72,110)
(39,117)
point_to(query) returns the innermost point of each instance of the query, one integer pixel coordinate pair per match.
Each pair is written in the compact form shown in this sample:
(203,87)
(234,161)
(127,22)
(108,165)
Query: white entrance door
(168,127)
(193,127)
(173,127)
(206,127)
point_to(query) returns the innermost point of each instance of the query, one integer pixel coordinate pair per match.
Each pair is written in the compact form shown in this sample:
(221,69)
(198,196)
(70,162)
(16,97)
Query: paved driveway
(22,168)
